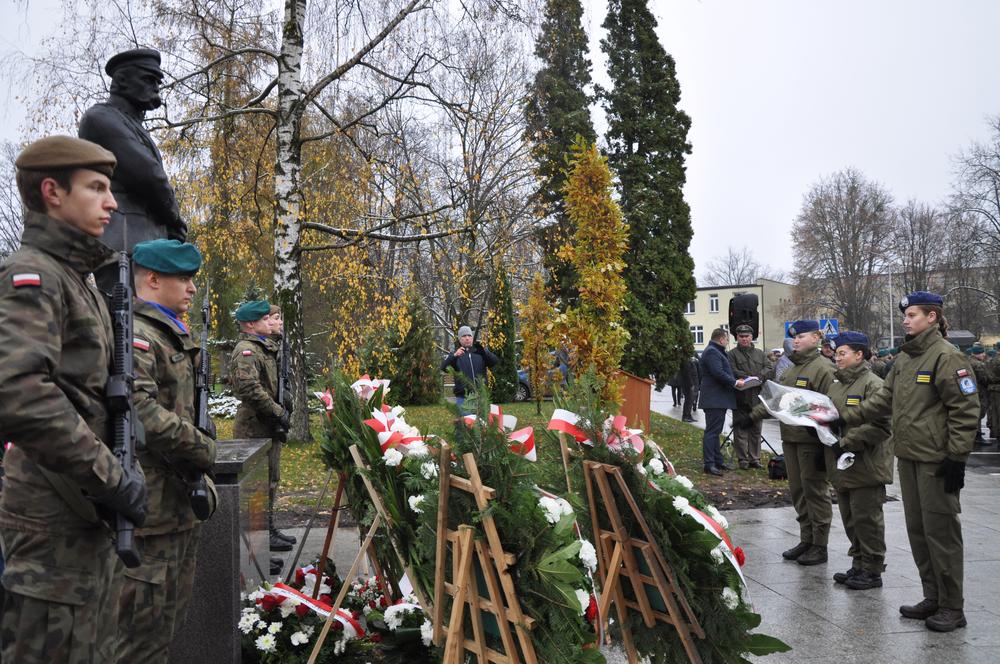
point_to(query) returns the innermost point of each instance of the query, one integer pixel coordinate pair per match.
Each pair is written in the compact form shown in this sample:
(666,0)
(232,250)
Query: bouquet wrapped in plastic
(800,407)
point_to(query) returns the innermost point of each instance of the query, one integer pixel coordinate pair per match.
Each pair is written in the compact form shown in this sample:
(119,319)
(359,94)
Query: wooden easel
(502,601)
(617,559)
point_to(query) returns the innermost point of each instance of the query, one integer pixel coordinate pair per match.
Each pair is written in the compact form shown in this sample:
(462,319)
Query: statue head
(136,76)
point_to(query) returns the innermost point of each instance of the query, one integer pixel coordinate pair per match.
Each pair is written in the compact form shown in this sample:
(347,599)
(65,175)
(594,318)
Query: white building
(710,309)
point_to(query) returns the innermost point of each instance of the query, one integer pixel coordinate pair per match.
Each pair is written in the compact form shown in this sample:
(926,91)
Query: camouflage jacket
(55,355)
(253,372)
(166,362)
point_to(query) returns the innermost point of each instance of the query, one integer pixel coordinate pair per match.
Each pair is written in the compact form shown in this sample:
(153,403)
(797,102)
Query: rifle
(284,382)
(119,396)
(198,496)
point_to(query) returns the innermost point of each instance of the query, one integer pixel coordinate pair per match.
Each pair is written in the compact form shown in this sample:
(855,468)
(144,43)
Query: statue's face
(138,85)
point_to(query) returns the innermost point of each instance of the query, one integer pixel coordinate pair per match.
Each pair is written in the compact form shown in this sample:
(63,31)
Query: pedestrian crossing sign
(830,327)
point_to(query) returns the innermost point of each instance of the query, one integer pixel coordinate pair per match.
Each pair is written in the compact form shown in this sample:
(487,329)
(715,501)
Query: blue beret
(800,326)
(253,311)
(167,256)
(851,339)
(921,297)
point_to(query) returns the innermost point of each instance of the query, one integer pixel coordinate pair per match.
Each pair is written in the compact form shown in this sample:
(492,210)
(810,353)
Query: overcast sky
(782,92)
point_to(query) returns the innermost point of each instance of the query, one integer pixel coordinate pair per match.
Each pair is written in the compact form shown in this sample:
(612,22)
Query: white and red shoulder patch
(141,344)
(26,279)
(247,352)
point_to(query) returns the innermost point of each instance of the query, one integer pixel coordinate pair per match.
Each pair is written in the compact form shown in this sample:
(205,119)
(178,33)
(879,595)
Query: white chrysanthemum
(392,457)
(429,470)
(274,627)
(583,597)
(684,481)
(550,507)
(395,614)
(416,502)
(717,515)
(588,555)
(789,401)
(656,466)
(427,633)
(310,583)
(298,638)
(718,556)
(730,598)
(417,448)
(247,623)
(256,595)
(308,629)
(265,643)
(287,607)
(681,503)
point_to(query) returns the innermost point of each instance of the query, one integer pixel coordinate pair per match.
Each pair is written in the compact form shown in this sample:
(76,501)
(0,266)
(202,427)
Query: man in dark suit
(718,394)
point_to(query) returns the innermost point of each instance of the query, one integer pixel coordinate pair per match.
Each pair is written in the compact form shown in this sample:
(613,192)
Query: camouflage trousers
(156,595)
(273,477)
(61,599)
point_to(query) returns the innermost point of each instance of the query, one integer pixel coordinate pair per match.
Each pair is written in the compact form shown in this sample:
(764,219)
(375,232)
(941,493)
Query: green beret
(991,353)
(883,352)
(58,153)
(996,345)
(167,256)
(144,58)
(976,349)
(253,311)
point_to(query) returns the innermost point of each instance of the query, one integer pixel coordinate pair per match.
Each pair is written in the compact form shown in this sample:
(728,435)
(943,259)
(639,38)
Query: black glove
(820,462)
(742,419)
(288,405)
(837,427)
(953,473)
(128,498)
(284,421)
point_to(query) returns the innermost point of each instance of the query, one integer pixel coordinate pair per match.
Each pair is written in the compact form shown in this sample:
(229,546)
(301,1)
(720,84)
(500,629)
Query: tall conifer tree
(647,144)
(417,381)
(557,112)
(503,338)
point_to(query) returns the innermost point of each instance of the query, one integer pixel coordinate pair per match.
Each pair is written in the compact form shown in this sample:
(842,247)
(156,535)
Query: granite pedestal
(233,555)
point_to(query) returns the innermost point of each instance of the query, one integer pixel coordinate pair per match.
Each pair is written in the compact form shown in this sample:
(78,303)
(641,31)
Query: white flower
(681,503)
(274,627)
(298,638)
(392,457)
(247,622)
(287,607)
(588,555)
(554,508)
(583,597)
(429,470)
(715,514)
(427,633)
(656,466)
(684,481)
(308,630)
(256,595)
(416,502)
(417,448)
(395,614)
(718,556)
(366,610)
(310,583)
(730,598)
(265,643)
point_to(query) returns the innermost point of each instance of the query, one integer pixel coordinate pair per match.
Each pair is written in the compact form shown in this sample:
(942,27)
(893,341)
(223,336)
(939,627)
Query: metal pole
(892,315)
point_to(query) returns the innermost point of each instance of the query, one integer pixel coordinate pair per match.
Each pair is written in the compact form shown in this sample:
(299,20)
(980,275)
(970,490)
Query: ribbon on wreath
(327,398)
(366,387)
(714,527)
(566,422)
(391,429)
(522,441)
(321,609)
(619,437)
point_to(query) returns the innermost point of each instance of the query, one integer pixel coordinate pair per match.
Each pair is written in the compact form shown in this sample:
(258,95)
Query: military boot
(842,577)
(279,544)
(291,539)
(816,555)
(796,551)
(864,580)
(922,611)
(276,565)
(946,620)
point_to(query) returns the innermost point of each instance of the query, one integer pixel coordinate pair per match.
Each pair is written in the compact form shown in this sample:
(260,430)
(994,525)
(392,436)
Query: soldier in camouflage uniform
(277,337)
(62,577)
(977,358)
(166,362)
(253,372)
(993,394)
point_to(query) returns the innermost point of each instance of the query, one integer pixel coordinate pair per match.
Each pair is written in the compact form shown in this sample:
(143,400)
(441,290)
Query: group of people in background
(921,403)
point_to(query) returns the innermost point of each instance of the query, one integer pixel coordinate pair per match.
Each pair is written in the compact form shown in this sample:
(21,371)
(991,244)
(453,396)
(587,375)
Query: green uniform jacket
(932,396)
(750,362)
(166,362)
(55,354)
(253,372)
(993,374)
(870,441)
(811,371)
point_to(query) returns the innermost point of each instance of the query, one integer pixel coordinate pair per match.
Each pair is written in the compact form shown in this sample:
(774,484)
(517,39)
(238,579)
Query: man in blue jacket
(472,359)
(718,394)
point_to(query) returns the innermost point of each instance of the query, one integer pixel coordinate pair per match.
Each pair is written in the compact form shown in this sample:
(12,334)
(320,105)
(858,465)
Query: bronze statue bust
(145,198)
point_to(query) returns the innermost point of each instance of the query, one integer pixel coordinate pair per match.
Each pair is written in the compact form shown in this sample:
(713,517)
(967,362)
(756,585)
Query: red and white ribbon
(366,387)
(620,438)
(392,430)
(351,626)
(566,422)
(326,397)
(522,441)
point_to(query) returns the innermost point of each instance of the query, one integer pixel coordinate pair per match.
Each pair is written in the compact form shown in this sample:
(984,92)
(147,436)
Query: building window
(689,307)
(713,303)
(698,332)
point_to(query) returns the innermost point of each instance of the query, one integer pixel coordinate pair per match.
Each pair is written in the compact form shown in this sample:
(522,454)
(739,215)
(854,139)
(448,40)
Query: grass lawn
(303,473)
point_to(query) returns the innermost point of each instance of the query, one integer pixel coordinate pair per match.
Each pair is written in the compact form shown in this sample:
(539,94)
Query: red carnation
(375,637)
(383,601)
(591,613)
(301,610)
(326,599)
(741,557)
(300,577)
(270,602)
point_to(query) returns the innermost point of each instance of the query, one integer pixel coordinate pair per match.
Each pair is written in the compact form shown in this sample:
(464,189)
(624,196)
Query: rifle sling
(72,496)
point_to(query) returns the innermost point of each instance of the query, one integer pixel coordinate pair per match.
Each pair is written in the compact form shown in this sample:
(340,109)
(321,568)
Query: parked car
(556,374)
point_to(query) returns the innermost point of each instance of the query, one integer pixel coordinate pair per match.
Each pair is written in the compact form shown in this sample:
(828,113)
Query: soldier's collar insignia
(26,279)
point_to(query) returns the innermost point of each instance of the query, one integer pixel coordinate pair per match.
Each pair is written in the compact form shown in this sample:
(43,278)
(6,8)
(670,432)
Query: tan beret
(54,153)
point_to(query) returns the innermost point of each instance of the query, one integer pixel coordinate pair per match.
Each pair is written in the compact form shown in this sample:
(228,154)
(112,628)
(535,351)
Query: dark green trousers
(864,522)
(810,492)
(935,532)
